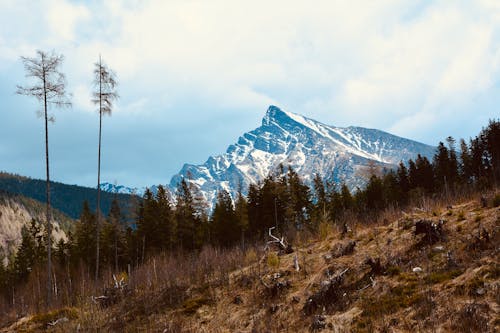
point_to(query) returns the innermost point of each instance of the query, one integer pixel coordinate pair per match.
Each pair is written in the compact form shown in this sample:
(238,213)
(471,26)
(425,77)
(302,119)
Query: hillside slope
(66,198)
(17,211)
(381,277)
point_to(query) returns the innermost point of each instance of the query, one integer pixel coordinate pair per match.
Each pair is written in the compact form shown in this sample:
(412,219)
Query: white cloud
(372,63)
(63,16)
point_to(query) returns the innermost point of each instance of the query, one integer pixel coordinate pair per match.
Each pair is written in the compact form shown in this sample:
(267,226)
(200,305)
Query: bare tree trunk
(98,209)
(48,215)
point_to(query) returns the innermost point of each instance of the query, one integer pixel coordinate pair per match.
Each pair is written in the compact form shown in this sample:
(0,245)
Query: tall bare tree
(48,87)
(104,95)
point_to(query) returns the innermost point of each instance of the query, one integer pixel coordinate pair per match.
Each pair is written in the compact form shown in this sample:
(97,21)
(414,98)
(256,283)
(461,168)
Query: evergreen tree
(442,165)
(147,225)
(319,213)
(393,193)
(113,238)
(374,194)
(224,221)
(167,228)
(83,249)
(241,212)
(346,198)
(453,169)
(403,183)
(255,222)
(185,215)
(492,143)
(299,199)
(466,170)
(26,256)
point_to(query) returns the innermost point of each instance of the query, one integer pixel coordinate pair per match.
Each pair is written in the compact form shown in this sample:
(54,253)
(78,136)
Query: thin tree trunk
(98,211)
(49,226)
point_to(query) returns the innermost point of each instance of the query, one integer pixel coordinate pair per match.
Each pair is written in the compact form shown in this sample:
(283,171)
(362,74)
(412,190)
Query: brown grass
(228,290)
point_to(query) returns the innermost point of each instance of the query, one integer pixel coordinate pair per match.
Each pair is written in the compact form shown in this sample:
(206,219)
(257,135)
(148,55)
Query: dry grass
(253,291)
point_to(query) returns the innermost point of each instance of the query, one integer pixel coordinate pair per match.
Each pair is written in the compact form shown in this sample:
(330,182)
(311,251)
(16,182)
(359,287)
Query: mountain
(343,155)
(66,198)
(121,189)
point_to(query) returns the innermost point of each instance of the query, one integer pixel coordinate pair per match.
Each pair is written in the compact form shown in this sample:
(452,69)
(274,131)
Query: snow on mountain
(308,146)
(113,188)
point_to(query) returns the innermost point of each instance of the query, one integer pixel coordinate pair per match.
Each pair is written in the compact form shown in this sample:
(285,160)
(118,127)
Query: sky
(194,75)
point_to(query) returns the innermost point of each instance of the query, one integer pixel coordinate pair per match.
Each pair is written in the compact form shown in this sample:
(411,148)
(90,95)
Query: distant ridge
(66,198)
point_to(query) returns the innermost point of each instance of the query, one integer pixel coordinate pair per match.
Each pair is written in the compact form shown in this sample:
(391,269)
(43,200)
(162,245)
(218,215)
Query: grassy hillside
(380,277)
(66,198)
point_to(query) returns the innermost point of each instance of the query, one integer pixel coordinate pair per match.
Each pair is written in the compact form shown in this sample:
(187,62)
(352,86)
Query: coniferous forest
(282,201)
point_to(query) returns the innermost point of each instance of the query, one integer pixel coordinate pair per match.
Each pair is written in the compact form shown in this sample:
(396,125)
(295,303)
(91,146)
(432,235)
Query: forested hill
(66,198)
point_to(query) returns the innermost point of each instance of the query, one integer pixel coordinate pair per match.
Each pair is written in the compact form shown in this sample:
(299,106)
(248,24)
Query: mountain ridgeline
(339,155)
(65,198)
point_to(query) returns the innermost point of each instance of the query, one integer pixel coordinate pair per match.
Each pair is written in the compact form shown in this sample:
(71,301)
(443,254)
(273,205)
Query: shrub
(273,261)
(460,216)
(250,256)
(472,318)
(438,277)
(393,270)
(190,306)
(45,318)
(324,230)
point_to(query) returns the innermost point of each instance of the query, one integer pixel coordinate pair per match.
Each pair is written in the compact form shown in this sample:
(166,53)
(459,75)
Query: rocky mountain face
(308,146)
(16,212)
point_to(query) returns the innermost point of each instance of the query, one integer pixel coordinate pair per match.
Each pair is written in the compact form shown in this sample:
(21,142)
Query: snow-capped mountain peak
(306,145)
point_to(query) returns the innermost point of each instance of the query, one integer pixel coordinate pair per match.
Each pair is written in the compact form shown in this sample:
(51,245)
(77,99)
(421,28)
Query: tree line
(282,200)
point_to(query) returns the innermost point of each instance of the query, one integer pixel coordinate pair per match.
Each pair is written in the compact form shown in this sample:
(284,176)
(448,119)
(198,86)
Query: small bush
(273,261)
(460,216)
(393,270)
(400,297)
(45,318)
(190,306)
(472,318)
(324,230)
(449,213)
(438,277)
(250,256)
(478,218)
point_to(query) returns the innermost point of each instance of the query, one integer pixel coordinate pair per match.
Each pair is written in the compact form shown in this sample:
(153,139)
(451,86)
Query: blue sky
(196,74)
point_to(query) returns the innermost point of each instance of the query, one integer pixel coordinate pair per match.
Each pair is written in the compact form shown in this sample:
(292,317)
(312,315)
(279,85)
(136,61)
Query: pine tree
(224,222)
(83,248)
(49,89)
(241,212)
(346,198)
(255,225)
(113,237)
(147,224)
(26,256)
(465,163)
(492,142)
(403,183)
(185,215)
(320,213)
(167,228)
(299,199)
